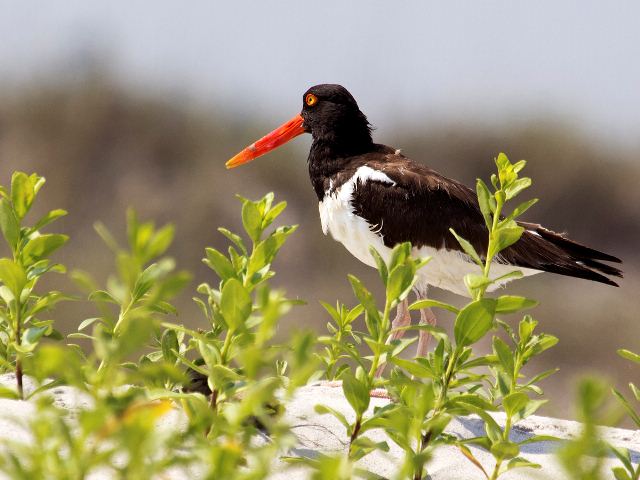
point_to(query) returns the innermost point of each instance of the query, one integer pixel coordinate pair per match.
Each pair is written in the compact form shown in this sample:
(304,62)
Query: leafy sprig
(21,307)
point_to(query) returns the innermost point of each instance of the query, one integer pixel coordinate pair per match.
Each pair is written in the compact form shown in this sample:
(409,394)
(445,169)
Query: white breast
(446,269)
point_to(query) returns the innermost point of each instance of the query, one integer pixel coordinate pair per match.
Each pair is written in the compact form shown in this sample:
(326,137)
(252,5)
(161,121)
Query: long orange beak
(279,136)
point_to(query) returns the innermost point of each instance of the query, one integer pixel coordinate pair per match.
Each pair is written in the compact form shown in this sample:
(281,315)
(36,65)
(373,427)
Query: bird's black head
(332,116)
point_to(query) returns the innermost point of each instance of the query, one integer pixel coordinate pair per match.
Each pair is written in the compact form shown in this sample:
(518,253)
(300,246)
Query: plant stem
(487,265)
(223,361)
(214,399)
(442,397)
(383,332)
(422,443)
(121,317)
(225,347)
(18,340)
(19,378)
(507,425)
(354,434)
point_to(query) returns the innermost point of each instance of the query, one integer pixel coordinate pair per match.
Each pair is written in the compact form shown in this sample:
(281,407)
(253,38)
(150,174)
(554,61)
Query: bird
(372,195)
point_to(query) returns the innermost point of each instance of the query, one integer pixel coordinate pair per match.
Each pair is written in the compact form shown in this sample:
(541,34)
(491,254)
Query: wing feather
(421,205)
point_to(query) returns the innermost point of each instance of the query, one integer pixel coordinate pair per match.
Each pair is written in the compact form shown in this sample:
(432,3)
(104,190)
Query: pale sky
(404,61)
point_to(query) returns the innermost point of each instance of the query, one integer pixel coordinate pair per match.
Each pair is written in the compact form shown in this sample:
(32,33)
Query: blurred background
(140,104)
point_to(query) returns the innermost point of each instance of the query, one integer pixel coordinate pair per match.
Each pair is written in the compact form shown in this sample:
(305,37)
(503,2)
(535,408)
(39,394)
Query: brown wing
(422,205)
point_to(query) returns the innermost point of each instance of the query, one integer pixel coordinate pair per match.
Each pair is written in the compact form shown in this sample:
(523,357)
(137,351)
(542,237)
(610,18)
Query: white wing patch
(337,204)
(447,267)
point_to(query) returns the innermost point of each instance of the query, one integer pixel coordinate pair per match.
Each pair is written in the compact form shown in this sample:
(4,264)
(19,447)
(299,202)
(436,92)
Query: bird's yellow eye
(311,99)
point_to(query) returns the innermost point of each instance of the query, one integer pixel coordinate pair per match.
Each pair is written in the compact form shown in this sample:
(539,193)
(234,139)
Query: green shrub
(230,379)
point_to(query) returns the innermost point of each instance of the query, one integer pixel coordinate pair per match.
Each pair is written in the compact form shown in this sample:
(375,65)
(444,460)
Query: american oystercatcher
(372,195)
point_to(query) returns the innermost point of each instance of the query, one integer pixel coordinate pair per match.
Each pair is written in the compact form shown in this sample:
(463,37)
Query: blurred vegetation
(104,148)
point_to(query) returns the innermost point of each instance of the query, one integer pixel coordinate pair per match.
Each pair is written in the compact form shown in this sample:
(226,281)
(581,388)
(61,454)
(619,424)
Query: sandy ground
(322,433)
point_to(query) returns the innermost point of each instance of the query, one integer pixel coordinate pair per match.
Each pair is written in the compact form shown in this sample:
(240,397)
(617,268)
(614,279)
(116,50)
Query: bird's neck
(330,154)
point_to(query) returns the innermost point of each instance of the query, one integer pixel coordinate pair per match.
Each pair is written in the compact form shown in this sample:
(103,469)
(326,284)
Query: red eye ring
(311,99)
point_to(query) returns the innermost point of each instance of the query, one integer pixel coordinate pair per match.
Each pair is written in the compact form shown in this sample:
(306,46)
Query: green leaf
(401,279)
(150,277)
(22,192)
(467,453)
(102,296)
(502,161)
(354,313)
(531,408)
(32,335)
(505,450)
(236,239)
(630,410)
(413,368)
(540,438)
(106,236)
(252,220)
(519,462)
(363,446)
(514,402)
(519,165)
(6,392)
(356,393)
(235,304)
(9,224)
(160,241)
(42,246)
(266,250)
(474,281)
(366,299)
(513,274)
(542,376)
(88,322)
(540,343)
(635,391)
(323,409)
(486,201)
(467,247)
(518,211)
(272,213)
(169,345)
(382,266)
(629,355)
(164,307)
(504,354)
(513,303)
(517,186)
(621,474)
(48,218)
(220,264)
(474,321)
(623,455)
(506,172)
(420,304)
(505,237)
(223,374)
(494,181)
(13,276)
(466,399)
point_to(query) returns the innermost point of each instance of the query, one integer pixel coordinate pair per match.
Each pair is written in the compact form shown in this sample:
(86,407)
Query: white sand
(322,433)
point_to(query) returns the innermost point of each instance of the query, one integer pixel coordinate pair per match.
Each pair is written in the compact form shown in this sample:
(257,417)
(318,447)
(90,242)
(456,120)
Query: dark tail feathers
(549,251)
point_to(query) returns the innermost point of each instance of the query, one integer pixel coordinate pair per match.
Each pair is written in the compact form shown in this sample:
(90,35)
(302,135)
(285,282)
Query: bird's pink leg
(402,319)
(426,318)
